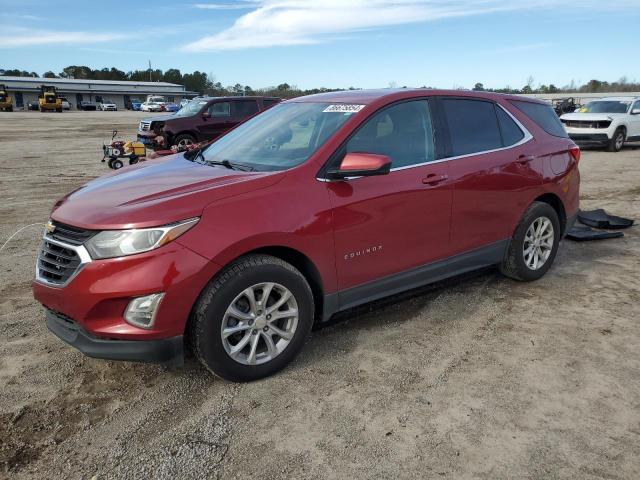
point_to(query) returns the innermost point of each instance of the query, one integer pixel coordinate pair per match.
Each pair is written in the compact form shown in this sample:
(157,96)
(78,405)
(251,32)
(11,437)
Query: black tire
(617,141)
(116,164)
(514,264)
(184,137)
(205,325)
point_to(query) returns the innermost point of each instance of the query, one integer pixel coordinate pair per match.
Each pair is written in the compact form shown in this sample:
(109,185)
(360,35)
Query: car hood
(155,192)
(159,118)
(591,116)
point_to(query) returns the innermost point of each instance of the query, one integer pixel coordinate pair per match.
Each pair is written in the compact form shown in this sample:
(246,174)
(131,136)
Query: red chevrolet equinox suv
(317,205)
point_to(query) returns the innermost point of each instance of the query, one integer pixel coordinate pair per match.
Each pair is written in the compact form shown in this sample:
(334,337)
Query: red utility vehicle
(317,205)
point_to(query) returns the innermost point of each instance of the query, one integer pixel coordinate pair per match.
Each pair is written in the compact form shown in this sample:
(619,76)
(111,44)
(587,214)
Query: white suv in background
(609,121)
(107,105)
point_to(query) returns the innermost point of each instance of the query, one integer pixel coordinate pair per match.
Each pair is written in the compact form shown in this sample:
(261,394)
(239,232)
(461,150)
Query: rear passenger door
(243,109)
(389,224)
(493,168)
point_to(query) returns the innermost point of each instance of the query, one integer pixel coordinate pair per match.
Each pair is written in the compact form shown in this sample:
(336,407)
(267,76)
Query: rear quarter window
(511,133)
(543,115)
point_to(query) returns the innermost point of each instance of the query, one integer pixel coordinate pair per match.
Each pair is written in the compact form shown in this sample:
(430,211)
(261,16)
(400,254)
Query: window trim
(527,136)
(440,130)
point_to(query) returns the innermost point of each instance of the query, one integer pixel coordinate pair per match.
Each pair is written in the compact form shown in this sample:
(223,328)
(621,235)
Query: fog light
(141,311)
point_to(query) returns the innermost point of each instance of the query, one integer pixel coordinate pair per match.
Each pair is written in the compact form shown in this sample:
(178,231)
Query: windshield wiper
(227,164)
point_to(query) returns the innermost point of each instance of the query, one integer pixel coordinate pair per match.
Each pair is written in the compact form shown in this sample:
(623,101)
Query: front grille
(144,126)
(57,264)
(71,235)
(587,123)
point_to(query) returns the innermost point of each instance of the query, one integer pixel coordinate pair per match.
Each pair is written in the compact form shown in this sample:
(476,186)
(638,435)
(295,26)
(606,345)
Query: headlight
(119,243)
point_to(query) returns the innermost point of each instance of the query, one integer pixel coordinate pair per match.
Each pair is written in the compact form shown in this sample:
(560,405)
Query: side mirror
(360,165)
(206,115)
(635,111)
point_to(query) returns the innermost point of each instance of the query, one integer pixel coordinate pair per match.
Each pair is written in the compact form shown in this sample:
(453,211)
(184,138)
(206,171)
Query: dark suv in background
(203,118)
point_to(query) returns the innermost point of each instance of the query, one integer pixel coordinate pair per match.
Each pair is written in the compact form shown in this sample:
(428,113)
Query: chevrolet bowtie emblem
(50,227)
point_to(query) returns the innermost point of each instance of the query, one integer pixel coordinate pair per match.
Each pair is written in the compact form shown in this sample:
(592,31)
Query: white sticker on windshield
(342,108)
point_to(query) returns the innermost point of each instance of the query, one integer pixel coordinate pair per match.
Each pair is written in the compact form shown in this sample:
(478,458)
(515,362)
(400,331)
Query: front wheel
(183,140)
(534,244)
(252,319)
(616,143)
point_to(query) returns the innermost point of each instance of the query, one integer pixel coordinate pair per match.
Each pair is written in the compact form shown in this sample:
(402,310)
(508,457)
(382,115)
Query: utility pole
(150,71)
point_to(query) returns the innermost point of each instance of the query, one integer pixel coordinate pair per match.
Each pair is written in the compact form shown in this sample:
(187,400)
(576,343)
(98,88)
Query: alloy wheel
(259,323)
(538,243)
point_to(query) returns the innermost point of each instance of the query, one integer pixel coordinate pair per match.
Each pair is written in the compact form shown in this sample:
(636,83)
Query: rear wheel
(252,319)
(534,244)
(616,143)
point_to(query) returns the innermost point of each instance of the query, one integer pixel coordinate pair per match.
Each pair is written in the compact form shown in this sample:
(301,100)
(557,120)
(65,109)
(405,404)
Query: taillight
(575,153)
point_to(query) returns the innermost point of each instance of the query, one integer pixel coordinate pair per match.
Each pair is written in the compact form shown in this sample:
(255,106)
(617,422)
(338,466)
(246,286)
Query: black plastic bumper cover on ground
(166,350)
(581,233)
(601,219)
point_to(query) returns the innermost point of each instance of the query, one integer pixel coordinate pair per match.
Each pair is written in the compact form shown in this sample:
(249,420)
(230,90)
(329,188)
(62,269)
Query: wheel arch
(185,132)
(557,204)
(294,257)
(302,263)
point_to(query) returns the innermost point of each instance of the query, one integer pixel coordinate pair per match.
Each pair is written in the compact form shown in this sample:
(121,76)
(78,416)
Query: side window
(543,115)
(270,102)
(403,132)
(511,133)
(220,109)
(473,126)
(244,108)
(636,106)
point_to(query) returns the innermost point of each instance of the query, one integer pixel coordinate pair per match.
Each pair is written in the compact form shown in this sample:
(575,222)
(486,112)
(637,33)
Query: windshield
(281,137)
(606,106)
(191,108)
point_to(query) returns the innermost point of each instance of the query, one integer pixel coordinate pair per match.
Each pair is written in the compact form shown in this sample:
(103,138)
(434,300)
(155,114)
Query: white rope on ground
(19,230)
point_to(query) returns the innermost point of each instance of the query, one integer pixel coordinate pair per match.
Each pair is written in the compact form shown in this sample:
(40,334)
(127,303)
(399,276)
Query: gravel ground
(477,377)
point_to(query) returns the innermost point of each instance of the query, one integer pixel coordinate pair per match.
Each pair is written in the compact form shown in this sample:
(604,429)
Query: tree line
(205,83)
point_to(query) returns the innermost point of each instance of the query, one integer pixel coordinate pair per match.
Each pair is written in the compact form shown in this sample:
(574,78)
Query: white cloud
(22,37)
(298,22)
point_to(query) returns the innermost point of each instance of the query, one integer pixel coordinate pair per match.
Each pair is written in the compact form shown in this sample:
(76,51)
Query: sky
(333,43)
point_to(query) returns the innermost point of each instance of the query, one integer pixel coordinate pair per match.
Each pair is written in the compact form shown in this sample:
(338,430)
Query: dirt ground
(479,377)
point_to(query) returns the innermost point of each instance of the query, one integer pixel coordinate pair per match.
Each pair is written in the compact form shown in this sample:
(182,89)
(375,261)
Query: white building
(26,89)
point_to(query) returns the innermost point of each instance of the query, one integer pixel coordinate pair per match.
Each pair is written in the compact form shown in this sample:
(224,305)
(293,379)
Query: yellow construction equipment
(48,99)
(6,102)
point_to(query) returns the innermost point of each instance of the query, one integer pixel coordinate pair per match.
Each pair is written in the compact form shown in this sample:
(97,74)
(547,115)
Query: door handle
(524,159)
(434,179)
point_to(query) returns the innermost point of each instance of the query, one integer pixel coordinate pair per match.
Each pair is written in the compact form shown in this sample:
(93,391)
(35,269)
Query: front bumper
(168,351)
(97,295)
(146,139)
(590,135)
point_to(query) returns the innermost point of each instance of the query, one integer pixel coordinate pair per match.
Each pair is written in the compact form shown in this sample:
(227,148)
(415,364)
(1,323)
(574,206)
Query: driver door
(219,120)
(390,224)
